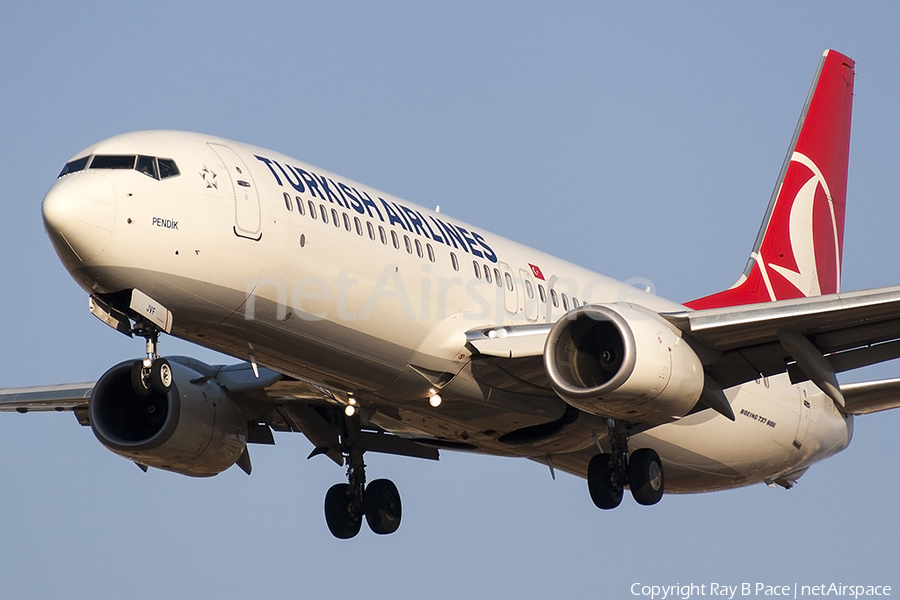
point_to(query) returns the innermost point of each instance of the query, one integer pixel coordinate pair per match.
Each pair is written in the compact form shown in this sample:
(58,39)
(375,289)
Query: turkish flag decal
(536,270)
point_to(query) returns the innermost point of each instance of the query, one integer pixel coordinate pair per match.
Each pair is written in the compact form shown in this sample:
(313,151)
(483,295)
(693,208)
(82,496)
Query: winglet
(798,249)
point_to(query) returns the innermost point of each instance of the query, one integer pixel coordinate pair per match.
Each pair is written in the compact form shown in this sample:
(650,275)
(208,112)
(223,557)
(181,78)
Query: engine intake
(622,361)
(194,429)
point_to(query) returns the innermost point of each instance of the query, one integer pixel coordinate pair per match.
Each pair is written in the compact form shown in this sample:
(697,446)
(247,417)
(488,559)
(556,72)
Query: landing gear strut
(152,374)
(347,503)
(608,474)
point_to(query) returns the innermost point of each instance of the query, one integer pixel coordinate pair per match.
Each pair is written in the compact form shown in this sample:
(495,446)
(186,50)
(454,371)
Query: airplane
(371,324)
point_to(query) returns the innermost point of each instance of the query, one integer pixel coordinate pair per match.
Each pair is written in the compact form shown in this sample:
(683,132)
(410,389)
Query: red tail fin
(798,249)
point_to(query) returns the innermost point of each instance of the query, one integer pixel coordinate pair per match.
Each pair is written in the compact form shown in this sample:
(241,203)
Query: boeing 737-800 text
(371,324)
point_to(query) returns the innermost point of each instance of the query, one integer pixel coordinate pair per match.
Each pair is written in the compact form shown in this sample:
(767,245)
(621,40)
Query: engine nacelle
(194,429)
(624,362)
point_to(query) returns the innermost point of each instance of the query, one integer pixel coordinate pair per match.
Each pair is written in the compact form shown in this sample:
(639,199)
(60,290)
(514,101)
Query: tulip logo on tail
(809,257)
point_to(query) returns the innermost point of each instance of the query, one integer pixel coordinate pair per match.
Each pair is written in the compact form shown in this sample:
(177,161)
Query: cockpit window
(167,168)
(76,165)
(113,161)
(147,166)
(157,168)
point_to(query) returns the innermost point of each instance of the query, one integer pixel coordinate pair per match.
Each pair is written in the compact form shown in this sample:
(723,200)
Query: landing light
(434,399)
(350,410)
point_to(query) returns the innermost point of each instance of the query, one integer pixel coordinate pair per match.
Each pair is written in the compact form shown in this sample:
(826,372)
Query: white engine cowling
(622,361)
(194,429)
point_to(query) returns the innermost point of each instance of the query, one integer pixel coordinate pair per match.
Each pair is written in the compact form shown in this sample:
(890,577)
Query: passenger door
(246,199)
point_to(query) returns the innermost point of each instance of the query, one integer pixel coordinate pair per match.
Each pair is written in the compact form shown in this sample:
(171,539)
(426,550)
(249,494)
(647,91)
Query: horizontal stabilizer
(871,396)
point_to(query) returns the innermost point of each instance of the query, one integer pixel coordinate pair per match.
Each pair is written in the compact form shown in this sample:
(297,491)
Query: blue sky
(636,139)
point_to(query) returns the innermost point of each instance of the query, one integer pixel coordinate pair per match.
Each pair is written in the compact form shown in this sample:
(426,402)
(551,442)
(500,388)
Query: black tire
(382,506)
(646,477)
(343,522)
(161,376)
(605,493)
(140,383)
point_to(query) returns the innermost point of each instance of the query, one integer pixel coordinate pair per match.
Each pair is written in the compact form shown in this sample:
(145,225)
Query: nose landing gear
(152,374)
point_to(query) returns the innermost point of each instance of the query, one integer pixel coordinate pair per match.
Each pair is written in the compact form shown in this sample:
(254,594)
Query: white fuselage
(352,302)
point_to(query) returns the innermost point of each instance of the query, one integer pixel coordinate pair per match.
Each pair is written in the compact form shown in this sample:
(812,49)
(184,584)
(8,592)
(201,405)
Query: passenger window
(395,240)
(497,278)
(358,225)
(509,281)
(382,235)
(574,302)
(542,293)
(419,252)
(529,289)
(299,204)
(74,166)
(477,269)
(335,219)
(454,261)
(554,298)
(288,203)
(324,213)
(565,300)
(167,168)
(346,222)
(371,229)
(430,252)
(407,243)
(312,209)
(147,166)
(487,274)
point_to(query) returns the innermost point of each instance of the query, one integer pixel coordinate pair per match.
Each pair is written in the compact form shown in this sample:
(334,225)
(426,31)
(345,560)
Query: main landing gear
(151,374)
(347,503)
(608,474)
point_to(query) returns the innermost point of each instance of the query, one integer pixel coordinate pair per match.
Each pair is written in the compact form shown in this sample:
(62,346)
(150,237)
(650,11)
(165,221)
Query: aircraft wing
(809,338)
(271,401)
(66,397)
(848,330)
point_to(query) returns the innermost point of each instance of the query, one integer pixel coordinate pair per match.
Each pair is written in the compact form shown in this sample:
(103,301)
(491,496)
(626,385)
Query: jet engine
(622,361)
(193,429)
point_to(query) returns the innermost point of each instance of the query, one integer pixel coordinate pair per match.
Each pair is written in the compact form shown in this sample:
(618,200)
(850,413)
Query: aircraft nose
(79,214)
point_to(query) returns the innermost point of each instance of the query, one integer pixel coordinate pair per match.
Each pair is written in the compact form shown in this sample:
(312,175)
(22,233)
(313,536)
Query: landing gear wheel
(343,520)
(605,492)
(645,476)
(140,381)
(382,506)
(161,375)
